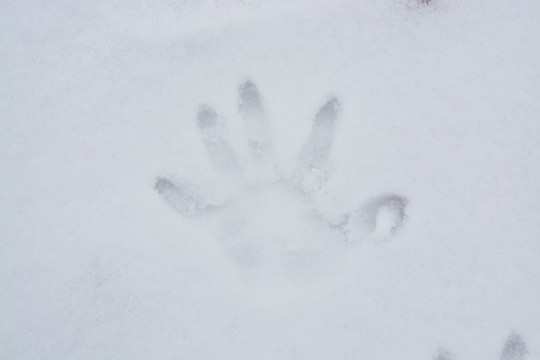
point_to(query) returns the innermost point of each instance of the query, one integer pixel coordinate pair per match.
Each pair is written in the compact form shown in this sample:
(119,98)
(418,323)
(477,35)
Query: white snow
(439,103)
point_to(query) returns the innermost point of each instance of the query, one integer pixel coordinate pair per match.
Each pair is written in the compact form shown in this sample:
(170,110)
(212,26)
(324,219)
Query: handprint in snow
(275,224)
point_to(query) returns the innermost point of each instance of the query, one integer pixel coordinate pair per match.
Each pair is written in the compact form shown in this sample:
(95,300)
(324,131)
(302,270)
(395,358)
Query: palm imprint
(274,224)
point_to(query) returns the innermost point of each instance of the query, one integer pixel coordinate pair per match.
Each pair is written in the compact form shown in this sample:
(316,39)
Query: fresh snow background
(441,103)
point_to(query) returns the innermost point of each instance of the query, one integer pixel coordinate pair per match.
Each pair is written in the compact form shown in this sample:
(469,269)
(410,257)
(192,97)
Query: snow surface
(439,103)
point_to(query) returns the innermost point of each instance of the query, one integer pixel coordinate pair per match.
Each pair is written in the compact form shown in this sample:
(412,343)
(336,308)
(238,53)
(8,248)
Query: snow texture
(324,179)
